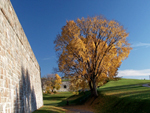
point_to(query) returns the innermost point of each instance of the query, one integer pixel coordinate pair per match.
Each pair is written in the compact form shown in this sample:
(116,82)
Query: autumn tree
(78,83)
(53,81)
(57,81)
(92,48)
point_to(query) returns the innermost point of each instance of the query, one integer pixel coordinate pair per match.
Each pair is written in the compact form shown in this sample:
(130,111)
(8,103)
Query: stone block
(17,64)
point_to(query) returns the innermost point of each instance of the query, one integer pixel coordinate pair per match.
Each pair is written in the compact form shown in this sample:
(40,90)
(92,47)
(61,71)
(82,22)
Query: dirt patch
(79,109)
(86,108)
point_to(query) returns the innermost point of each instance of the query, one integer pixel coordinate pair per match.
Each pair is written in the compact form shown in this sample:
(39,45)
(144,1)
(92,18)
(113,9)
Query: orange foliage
(92,48)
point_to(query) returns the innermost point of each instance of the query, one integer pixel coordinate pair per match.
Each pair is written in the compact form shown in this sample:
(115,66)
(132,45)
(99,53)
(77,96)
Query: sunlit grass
(53,102)
(50,109)
(124,96)
(58,99)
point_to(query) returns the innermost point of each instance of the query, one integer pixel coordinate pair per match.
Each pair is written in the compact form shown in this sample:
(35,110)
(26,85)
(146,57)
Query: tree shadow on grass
(131,104)
(57,106)
(133,101)
(54,98)
(76,99)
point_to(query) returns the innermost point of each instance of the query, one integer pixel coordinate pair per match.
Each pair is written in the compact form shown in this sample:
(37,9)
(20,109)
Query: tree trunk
(91,89)
(95,94)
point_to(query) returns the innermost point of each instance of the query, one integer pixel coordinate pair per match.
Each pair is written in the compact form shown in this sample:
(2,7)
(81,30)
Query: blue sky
(42,20)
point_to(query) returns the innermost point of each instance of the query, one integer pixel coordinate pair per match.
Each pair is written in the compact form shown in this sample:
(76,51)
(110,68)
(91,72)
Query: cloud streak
(127,73)
(141,45)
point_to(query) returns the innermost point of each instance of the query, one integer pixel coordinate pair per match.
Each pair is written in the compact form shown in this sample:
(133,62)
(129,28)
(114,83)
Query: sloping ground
(123,96)
(57,103)
(82,108)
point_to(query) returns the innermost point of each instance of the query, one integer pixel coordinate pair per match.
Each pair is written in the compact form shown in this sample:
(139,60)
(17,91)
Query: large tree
(92,48)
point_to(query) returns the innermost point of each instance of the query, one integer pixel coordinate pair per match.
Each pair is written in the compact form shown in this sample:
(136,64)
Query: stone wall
(64,87)
(20,80)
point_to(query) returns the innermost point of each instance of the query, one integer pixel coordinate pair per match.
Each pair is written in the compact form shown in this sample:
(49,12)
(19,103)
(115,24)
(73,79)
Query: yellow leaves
(78,82)
(57,81)
(84,71)
(89,46)
(53,81)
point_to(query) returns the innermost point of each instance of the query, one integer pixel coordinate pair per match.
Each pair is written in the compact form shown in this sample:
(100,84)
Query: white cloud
(140,44)
(125,73)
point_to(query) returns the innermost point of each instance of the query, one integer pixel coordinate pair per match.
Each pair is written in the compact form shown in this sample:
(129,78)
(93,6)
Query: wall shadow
(25,101)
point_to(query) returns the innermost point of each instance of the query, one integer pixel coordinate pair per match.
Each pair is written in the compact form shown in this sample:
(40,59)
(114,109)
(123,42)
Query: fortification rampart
(20,82)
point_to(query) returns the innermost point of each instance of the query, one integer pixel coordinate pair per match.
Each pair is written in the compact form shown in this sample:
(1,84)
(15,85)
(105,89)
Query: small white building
(64,86)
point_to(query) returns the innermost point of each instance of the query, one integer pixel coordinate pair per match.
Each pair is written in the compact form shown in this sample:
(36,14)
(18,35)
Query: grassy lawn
(53,102)
(123,96)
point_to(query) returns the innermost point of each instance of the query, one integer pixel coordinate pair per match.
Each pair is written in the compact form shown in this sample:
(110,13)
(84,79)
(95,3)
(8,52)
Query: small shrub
(48,92)
(75,93)
(54,92)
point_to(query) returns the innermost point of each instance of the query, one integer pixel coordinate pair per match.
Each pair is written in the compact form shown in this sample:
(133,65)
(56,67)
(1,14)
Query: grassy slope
(123,96)
(52,102)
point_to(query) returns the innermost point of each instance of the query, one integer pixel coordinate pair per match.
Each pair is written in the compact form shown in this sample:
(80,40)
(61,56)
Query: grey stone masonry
(64,87)
(20,79)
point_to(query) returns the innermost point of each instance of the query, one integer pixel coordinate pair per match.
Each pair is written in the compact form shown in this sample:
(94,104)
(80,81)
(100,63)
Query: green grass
(53,102)
(56,99)
(123,96)
(50,109)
